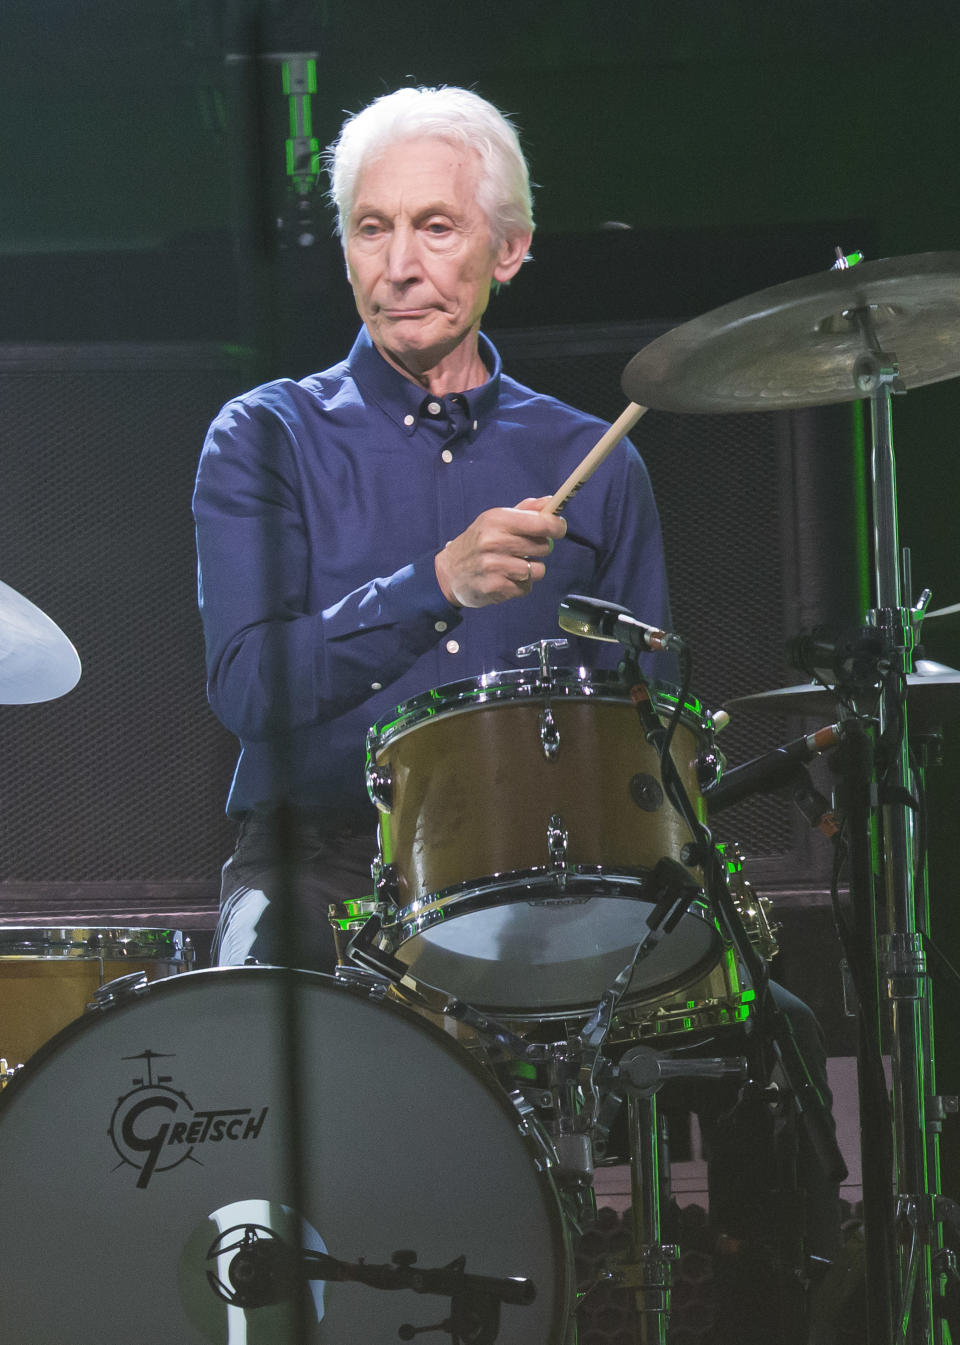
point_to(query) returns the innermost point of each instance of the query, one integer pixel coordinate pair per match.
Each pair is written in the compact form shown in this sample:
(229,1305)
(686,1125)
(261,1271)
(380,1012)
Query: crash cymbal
(933,697)
(796,344)
(952,610)
(37,661)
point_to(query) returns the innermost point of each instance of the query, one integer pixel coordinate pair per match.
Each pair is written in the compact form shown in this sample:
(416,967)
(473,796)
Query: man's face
(420,255)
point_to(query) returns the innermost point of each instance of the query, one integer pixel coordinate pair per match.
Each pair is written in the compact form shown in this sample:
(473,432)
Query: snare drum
(521,818)
(48,975)
(146,1151)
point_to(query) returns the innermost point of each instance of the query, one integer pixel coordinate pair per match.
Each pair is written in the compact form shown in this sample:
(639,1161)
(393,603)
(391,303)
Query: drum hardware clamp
(643,1071)
(118,990)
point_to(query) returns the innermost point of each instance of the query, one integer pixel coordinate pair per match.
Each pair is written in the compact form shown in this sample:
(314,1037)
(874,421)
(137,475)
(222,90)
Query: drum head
(145,1145)
(553,956)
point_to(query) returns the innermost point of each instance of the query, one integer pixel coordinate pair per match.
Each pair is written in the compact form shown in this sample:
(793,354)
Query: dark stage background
(152,262)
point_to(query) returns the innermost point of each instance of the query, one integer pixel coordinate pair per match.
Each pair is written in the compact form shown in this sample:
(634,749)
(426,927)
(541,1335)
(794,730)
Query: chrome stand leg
(652,1279)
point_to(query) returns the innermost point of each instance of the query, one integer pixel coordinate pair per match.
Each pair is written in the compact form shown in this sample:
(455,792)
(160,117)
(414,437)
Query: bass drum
(148,1185)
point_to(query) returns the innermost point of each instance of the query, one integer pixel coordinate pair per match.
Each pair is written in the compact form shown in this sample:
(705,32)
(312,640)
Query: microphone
(595,619)
(857,658)
(771,770)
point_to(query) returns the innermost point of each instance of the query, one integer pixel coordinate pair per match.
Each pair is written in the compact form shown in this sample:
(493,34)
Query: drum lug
(711,763)
(386,883)
(549,733)
(558,838)
(380,786)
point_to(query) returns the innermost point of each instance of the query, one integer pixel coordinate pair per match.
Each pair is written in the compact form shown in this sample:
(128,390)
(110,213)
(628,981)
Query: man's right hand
(498,556)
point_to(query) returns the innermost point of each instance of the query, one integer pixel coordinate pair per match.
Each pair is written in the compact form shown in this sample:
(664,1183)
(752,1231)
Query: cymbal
(933,696)
(37,661)
(796,344)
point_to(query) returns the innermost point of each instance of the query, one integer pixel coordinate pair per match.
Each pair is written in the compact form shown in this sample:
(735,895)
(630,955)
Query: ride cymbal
(796,344)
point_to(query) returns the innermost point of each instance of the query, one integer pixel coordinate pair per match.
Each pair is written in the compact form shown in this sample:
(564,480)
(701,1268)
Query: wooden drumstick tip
(589,464)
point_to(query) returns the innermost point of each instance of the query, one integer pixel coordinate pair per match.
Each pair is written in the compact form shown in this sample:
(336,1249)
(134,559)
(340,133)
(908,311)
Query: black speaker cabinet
(112,796)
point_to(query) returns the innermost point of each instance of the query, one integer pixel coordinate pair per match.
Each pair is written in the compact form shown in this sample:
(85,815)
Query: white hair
(458,116)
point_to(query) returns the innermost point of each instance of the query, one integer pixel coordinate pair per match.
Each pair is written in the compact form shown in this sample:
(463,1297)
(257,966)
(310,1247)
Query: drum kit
(552,927)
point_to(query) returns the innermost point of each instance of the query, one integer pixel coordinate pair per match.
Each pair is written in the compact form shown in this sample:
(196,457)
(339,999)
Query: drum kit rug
(407,1148)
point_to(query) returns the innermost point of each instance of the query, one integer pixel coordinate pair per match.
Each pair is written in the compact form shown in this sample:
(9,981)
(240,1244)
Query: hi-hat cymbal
(37,661)
(933,697)
(796,344)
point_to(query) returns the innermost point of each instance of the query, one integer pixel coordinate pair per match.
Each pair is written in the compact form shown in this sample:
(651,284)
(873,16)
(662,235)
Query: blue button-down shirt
(320,506)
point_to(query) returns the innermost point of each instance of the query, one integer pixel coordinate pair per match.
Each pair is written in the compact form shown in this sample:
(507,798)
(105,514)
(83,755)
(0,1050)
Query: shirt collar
(401,399)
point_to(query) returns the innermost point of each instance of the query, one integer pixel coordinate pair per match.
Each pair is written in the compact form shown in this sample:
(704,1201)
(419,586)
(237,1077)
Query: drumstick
(581,473)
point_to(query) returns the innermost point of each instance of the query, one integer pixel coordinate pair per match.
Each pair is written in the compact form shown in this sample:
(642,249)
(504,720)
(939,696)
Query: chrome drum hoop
(518,685)
(510,983)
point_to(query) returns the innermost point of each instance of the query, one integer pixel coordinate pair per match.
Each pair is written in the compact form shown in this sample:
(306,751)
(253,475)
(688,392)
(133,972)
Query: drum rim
(528,1129)
(595,685)
(74,942)
(261,971)
(582,880)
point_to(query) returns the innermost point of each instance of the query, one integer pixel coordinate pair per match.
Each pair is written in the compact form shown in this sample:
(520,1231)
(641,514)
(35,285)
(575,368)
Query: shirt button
(447,455)
(440,626)
(434,408)
(453,646)
(475,426)
(376,686)
(409,420)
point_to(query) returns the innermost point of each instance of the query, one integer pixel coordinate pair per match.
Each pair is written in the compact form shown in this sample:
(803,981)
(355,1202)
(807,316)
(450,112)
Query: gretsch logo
(155,1127)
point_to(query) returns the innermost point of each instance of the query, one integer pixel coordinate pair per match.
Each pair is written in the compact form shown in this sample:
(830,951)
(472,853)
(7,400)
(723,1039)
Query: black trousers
(280,881)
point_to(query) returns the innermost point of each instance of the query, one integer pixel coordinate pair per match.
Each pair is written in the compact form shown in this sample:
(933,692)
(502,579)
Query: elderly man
(373,531)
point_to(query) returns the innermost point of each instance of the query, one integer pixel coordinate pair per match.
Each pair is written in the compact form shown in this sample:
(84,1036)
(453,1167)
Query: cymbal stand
(910,1211)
